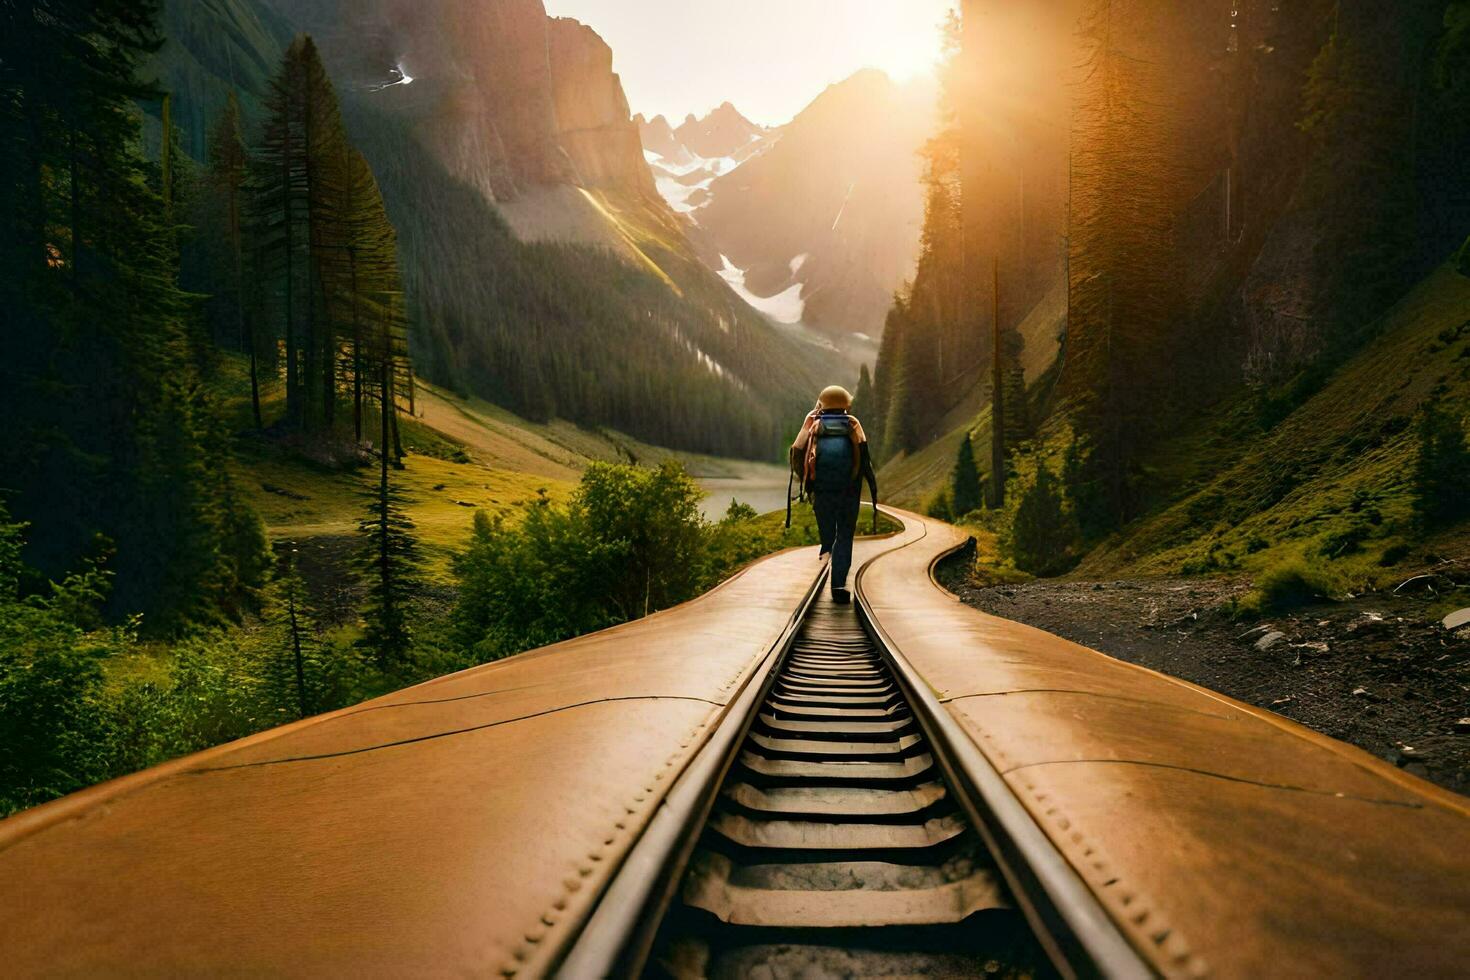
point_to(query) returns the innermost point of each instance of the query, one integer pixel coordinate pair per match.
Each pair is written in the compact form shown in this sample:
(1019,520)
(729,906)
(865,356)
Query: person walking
(832,457)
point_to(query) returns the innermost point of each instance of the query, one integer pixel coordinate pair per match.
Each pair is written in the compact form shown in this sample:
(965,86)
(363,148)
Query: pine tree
(1371,123)
(298,171)
(1013,386)
(389,560)
(1124,289)
(362,289)
(292,669)
(866,406)
(1042,534)
(1441,470)
(326,240)
(229,168)
(964,481)
(1090,505)
(862,398)
(885,379)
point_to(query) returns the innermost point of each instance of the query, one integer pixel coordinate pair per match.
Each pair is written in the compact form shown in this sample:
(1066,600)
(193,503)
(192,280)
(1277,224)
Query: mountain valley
(815,222)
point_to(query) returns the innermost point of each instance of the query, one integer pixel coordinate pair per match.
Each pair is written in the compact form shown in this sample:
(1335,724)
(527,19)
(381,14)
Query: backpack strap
(790,475)
(809,464)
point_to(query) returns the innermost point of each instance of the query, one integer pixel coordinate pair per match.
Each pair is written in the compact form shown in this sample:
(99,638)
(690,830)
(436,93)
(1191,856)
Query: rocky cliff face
(487,124)
(592,124)
(509,99)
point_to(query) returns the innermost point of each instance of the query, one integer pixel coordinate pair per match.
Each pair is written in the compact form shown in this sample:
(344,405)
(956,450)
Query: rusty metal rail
(1080,937)
(838,824)
(617,938)
(758,778)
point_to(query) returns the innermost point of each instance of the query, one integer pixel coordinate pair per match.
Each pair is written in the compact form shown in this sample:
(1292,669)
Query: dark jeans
(837,514)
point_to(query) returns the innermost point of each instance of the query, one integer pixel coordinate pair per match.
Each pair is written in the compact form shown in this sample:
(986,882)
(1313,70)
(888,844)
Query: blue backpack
(836,464)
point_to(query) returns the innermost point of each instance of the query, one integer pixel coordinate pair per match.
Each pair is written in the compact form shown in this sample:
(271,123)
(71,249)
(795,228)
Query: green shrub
(51,679)
(738,512)
(66,722)
(1394,554)
(1345,541)
(1284,587)
(630,541)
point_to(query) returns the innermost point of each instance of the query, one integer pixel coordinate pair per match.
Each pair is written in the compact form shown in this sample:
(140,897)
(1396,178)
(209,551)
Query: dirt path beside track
(1374,671)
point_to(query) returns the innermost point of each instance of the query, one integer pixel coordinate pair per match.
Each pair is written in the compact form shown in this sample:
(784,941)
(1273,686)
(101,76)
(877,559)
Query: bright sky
(769,57)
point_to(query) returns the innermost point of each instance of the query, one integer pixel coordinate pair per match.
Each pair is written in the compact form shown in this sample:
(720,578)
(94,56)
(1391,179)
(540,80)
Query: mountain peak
(720,133)
(658,137)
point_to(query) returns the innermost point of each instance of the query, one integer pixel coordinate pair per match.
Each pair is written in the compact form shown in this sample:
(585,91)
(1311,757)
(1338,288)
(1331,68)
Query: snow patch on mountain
(685,186)
(784,307)
(677,193)
(681,173)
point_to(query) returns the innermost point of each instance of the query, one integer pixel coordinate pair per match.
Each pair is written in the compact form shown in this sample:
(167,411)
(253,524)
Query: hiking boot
(841,596)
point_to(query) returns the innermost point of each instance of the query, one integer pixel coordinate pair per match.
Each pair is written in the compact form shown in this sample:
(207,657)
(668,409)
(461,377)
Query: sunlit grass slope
(464,455)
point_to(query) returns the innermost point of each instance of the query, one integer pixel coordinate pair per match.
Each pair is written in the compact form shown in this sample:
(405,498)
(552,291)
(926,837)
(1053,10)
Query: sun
(910,61)
(913,46)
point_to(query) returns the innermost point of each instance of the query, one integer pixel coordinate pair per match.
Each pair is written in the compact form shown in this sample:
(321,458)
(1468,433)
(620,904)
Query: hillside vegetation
(463,455)
(519,533)
(1334,478)
(1319,470)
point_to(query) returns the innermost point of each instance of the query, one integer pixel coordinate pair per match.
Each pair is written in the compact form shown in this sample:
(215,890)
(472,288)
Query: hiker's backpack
(834,458)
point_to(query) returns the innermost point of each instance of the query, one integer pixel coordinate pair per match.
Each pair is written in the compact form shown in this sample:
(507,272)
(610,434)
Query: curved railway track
(760,783)
(829,835)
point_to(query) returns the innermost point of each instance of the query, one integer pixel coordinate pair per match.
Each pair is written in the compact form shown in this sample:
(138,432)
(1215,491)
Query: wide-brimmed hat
(835,396)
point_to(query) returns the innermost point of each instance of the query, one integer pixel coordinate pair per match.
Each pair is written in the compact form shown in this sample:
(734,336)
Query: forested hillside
(588,304)
(1226,198)
(557,329)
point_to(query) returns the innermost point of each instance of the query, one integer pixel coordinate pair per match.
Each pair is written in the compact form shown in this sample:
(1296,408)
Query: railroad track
(759,783)
(825,836)
(835,846)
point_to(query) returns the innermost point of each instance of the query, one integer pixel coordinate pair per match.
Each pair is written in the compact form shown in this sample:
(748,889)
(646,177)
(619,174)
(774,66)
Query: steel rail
(616,939)
(1077,932)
